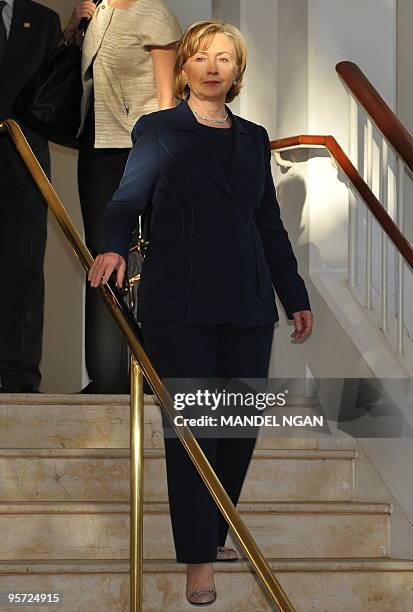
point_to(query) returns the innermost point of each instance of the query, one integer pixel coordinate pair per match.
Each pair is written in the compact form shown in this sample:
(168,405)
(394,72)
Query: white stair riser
(106,535)
(309,591)
(101,479)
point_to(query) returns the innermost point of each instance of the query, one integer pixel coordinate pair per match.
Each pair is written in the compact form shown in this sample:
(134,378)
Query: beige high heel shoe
(202,597)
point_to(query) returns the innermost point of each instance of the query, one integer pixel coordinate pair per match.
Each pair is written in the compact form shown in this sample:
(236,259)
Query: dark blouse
(224,280)
(221,140)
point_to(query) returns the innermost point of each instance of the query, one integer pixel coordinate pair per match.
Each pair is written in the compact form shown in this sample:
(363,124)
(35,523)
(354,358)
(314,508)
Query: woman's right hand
(83,8)
(103,266)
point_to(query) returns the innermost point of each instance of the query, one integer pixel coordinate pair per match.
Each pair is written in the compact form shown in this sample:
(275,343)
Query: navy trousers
(205,352)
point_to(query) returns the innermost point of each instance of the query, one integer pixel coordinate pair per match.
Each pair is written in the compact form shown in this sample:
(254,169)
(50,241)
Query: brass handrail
(399,240)
(136,485)
(128,327)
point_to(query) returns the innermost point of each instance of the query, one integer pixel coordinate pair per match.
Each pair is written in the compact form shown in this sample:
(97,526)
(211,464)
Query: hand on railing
(303,322)
(103,266)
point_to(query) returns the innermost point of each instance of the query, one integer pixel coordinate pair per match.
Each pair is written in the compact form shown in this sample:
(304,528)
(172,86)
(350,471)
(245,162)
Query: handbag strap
(84,23)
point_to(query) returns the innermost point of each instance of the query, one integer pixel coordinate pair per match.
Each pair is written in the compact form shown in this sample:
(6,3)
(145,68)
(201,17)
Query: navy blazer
(217,245)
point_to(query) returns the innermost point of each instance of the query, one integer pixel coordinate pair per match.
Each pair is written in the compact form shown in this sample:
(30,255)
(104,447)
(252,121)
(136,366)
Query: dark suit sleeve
(55,33)
(135,189)
(287,282)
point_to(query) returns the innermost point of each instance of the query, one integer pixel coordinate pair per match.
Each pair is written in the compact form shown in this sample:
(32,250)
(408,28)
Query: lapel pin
(27,24)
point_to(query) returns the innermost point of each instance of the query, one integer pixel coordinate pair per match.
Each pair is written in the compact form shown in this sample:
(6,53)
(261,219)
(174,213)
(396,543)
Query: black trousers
(23,232)
(99,175)
(191,351)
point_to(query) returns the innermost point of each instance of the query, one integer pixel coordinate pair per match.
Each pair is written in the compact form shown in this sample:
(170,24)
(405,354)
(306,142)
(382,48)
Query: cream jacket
(117,67)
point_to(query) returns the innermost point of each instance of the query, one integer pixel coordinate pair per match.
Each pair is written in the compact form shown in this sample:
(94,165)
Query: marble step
(325,585)
(103,475)
(81,530)
(102,421)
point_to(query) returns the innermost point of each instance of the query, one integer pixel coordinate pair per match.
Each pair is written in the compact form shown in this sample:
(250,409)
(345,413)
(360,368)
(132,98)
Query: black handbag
(49,103)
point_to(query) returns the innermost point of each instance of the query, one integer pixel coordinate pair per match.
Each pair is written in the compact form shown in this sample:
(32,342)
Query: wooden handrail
(382,115)
(385,221)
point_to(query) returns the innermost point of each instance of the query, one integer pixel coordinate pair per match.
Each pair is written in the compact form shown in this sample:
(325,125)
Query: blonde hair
(190,43)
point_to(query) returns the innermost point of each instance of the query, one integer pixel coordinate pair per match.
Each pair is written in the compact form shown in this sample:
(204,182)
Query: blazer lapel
(240,165)
(22,34)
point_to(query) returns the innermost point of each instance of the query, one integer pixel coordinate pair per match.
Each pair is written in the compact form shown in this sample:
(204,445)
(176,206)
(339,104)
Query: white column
(400,261)
(369,215)
(352,194)
(384,240)
(189,12)
(258,23)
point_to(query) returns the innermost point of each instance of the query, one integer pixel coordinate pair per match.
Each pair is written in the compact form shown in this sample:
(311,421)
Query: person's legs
(99,174)
(186,352)
(23,231)
(181,351)
(244,353)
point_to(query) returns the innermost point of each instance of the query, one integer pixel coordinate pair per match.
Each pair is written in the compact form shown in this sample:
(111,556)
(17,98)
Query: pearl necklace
(211,119)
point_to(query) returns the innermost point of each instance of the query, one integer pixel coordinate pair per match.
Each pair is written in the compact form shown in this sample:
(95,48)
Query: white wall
(258,99)
(337,31)
(292,118)
(405,114)
(342,31)
(227,10)
(404,68)
(190,11)
(405,91)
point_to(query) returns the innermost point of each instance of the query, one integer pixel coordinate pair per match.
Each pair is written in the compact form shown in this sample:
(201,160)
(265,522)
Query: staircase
(64,516)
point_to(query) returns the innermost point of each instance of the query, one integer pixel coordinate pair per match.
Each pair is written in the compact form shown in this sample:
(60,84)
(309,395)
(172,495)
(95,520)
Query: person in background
(29,32)
(218,249)
(128,54)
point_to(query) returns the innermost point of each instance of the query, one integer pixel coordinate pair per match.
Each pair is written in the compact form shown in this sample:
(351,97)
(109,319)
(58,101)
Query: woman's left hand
(303,321)
(102,268)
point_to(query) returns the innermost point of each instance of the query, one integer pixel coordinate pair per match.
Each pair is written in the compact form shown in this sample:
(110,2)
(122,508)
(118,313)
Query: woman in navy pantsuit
(218,249)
